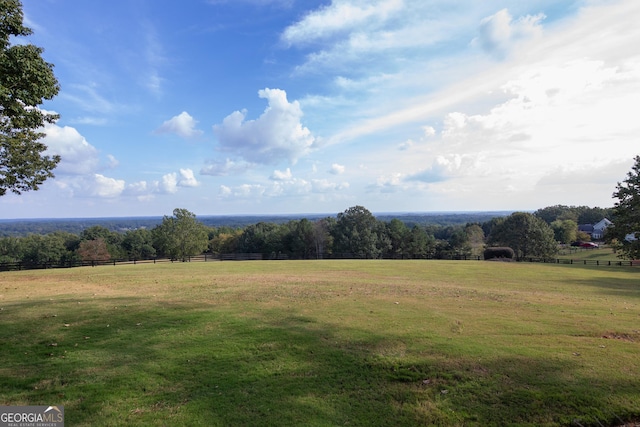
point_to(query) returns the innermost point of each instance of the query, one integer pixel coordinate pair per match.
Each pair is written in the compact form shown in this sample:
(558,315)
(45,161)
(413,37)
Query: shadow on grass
(626,288)
(129,362)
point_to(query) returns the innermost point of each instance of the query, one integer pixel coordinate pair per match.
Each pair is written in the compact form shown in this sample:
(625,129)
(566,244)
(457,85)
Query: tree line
(354,233)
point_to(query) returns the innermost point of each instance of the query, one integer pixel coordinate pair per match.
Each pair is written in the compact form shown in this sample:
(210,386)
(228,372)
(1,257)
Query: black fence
(16,266)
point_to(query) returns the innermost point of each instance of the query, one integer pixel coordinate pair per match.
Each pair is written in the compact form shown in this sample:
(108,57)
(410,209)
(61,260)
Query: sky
(230,107)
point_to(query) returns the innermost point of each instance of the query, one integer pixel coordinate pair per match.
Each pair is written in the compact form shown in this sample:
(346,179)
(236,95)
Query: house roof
(602,224)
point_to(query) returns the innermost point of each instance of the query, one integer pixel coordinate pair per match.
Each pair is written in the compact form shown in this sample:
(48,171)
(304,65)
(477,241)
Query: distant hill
(21,227)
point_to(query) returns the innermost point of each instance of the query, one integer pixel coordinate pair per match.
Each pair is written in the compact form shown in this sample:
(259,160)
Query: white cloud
(244,191)
(182,125)
(403,146)
(281,175)
(112,161)
(499,33)
(78,157)
(428,131)
(91,185)
(326,186)
(107,187)
(187,179)
(336,17)
(337,169)
(276,135)
(138,188)
(227,167)
(169,183)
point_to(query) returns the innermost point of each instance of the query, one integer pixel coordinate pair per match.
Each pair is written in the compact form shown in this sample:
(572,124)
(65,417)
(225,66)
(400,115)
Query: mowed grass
(324,343)
(602,254)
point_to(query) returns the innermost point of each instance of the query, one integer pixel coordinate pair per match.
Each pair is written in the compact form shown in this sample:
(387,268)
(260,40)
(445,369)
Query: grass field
(324,343)
(604,253)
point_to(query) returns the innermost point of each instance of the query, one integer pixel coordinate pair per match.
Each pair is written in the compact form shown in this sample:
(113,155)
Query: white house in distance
(599,228)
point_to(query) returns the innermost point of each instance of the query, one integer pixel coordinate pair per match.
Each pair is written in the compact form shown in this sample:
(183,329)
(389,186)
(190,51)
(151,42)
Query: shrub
(492,253)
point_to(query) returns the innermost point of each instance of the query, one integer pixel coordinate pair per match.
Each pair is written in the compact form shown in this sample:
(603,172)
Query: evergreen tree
(624,234)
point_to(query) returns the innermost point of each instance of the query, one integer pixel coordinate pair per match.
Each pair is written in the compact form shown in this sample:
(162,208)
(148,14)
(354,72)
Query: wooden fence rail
(16,266)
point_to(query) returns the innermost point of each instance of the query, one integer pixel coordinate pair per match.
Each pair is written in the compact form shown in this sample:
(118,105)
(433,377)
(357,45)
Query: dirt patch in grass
(629,337)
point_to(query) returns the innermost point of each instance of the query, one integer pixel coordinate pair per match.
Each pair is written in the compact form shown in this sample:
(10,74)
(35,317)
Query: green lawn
(604,253)
(324,343)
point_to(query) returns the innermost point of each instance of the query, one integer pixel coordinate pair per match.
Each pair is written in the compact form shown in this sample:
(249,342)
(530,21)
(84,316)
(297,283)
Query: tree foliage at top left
(26,80)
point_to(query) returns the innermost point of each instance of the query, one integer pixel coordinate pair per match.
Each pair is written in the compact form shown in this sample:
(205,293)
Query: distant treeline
(355,233)
(24,227)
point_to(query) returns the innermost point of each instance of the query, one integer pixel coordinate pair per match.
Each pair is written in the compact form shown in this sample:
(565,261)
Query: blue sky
(290,106)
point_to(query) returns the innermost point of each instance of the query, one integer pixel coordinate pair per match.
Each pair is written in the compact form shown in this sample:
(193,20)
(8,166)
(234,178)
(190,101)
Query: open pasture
(359,343)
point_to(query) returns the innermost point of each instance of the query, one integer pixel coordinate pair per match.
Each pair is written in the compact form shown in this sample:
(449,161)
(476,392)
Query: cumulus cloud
(244,191)
(169,183)
(107,187)
(498,33)
(187,179)
(78,156)
(182,125)
(276,135)
(281,175)
(91,185)
(337,169)
(389,183)
(437,172)
(326,186)
(78,171)
(224,168)
(429,131)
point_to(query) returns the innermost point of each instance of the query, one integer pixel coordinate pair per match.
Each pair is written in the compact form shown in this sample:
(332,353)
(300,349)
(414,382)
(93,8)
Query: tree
(526,234)
(112,239)
(181,235)
(225,240)
(138,244)
(263,237)
(624,234)
(39,249)
(298,238)
(356,233)
(26,80)
(475,238)
(565,230)
(578,214)
(322,239)
(421,244)
(398,234)
(94,250)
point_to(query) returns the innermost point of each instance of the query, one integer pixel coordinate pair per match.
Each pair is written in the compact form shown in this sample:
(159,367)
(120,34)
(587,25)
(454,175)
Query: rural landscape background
(157,266)
(420,339)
